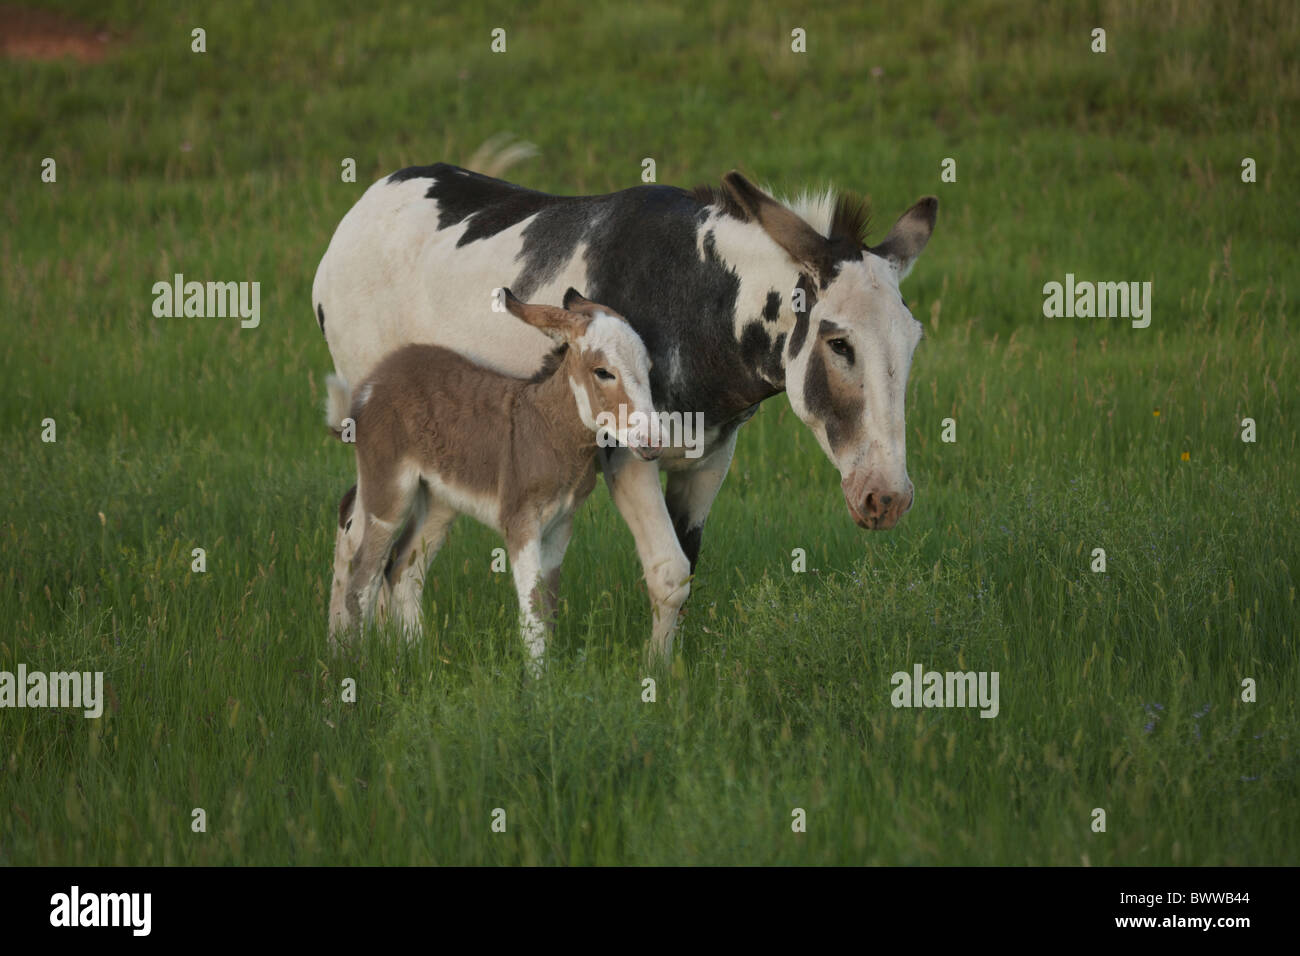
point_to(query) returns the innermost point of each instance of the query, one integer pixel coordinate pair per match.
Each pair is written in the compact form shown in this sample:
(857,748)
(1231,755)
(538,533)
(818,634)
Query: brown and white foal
(438,436)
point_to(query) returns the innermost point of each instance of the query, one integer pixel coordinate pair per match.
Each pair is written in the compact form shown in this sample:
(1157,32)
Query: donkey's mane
(834,213)
(554,359)
(709,195)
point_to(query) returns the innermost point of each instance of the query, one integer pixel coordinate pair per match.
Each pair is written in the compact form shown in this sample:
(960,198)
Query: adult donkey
(737,297)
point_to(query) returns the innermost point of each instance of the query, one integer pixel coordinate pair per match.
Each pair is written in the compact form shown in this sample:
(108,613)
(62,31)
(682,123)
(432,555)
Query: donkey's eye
(841,347)
(605,375)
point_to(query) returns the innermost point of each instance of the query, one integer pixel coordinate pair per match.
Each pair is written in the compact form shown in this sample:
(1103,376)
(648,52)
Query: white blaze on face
(626,356)
(856,409)
(584,403)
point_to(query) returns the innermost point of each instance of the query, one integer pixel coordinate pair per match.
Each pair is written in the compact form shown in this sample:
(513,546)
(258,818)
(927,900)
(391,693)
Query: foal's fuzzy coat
(437,436)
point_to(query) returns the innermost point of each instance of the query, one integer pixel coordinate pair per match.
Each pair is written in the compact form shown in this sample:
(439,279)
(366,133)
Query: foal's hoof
(412,634)
(658,659)
(338,640)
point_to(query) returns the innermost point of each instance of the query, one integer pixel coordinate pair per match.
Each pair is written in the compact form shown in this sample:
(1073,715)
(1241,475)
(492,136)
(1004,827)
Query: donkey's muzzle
(875,508)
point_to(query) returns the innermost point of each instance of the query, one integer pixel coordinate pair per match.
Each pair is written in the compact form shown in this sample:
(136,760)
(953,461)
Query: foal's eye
(604,375)
(841,347)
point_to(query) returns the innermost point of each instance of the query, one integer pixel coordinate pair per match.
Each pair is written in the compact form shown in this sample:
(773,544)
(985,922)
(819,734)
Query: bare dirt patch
(41,35)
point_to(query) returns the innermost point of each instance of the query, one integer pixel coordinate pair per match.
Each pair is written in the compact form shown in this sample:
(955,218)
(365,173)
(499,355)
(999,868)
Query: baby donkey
(438,436)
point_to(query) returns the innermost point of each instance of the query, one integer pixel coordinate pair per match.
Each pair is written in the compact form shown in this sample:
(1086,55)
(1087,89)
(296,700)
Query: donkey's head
(848,356)
(606,365)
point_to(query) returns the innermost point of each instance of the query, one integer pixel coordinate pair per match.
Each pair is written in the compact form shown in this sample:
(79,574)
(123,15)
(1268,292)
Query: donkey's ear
(804,244)
(909,236)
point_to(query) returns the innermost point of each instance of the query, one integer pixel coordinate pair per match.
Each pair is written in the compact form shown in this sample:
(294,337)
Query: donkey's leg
(526,564)
(413,556)
(690,495)
(383,504)
(634,486)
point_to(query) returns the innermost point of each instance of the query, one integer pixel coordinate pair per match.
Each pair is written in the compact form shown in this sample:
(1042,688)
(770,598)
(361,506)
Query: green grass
(183,433)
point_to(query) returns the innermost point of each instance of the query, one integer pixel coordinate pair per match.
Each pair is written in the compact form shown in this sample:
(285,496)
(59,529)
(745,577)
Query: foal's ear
(804,244)
(575,301)
(559,324)
(513,305)
(909,236)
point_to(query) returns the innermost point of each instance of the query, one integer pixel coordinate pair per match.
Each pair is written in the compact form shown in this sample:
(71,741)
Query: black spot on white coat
(645,258)
(772,308)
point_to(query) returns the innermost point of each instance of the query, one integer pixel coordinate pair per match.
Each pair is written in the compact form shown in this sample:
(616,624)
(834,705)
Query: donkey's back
(418,258)
(383,284)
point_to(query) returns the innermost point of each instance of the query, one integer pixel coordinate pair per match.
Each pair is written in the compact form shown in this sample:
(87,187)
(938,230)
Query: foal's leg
(526,565)
(413,556)
(345,546)
(554,544)
(346,542)
(382,507)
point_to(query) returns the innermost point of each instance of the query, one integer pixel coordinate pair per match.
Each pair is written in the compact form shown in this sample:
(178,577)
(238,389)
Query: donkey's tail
(338,402)
(498,153)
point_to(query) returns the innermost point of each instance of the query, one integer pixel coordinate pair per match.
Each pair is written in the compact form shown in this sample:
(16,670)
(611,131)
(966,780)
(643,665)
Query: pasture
(1120,690)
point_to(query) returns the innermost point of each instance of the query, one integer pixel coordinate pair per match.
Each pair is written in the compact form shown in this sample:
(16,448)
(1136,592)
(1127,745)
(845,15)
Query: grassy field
(1119,690)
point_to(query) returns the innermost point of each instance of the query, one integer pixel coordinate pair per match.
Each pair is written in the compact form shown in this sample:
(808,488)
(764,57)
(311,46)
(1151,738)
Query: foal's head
(606,365)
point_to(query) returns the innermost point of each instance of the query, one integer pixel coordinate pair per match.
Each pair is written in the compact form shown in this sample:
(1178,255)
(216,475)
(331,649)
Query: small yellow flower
(1156,413)
(1187,456)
